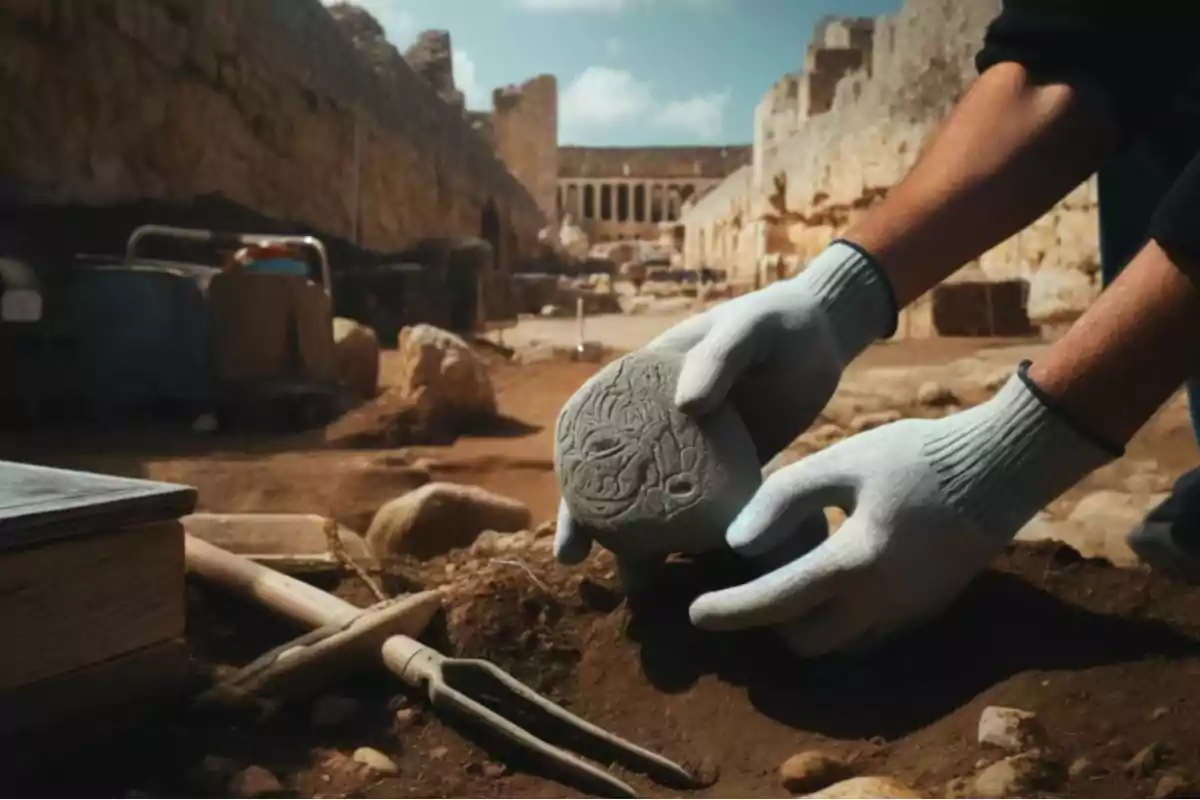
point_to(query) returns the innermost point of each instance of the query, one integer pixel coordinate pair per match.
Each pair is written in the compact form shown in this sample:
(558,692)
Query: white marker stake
(579,316)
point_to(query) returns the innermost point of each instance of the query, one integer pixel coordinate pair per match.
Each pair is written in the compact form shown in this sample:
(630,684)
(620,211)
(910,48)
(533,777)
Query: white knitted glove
(931,502)
(777,354)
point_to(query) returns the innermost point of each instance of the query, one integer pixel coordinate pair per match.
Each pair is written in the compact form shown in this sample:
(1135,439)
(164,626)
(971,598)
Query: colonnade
(623,200)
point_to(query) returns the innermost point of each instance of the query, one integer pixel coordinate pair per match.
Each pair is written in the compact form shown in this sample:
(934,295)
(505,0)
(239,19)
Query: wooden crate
(91,598)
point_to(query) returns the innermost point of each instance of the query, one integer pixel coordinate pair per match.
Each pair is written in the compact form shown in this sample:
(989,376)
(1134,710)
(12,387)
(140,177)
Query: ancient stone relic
(644,477)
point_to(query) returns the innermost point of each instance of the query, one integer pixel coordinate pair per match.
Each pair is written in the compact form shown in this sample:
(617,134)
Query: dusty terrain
(1108,659)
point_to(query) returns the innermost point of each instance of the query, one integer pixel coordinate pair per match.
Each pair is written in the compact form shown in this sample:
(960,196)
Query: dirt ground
(1108,659)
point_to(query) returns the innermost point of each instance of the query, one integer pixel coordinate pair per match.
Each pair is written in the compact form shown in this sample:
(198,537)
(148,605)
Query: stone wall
(265,103)
(720,231)
(651,162)
(814,183)
(432,56)
(524,130)
(625,193)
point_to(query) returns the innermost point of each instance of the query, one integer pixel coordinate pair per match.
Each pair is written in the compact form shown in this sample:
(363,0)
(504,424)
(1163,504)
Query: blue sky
(630,72)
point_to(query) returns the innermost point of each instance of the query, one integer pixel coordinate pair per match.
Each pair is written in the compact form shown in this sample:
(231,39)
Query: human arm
(932,501)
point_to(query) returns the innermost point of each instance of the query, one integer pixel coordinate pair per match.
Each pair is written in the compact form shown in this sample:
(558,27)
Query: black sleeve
(1138,58)
(1176,222)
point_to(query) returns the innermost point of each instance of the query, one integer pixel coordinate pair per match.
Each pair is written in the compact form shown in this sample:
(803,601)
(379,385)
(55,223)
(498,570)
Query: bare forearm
(1130,351)
(1004,156)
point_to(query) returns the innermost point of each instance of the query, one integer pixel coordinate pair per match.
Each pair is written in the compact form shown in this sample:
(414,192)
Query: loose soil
(1108,659)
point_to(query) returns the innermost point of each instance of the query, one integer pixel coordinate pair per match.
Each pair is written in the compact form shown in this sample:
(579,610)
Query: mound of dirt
(393,419)
(1107,659)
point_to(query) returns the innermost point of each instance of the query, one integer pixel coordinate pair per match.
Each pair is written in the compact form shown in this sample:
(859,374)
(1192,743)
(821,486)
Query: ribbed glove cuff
(1004,460)
(855,294)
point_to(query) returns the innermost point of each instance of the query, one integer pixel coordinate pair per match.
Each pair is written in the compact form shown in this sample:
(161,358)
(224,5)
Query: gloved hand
(777,354)
(931,502)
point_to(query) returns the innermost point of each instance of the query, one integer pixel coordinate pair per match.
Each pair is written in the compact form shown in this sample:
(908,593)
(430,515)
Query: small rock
(1147,760)
(812,770)
(439,517)
(958,788)
(1079,768)
(492,770)
(932,393)
(1010,729)
(1159,712)
(439,753)
(333,711)
(406,716)
(254,781)
(1018,775)
(1174,785)
(705,771)
(866,786)
(376,760)
(494,543)
(874,419)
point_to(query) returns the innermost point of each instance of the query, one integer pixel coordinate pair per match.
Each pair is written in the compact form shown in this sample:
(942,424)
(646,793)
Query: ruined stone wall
(524,130)
(432,56)
(820,180)
(720,231)
(261,102)
(625,193)
(651,162)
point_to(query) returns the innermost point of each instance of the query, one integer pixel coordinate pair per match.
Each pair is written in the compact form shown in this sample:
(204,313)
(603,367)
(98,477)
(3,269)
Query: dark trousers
(1130,189)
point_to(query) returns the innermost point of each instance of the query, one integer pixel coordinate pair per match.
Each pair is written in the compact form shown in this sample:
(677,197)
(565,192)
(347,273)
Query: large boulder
(454,378)
(439,517)
(357,351)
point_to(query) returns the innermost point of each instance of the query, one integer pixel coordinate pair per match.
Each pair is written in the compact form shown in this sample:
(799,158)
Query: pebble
(1159,712)
(1079,767)
(958,788)
(377,761)
(406,716)
(438,753)
(1018,775)
(1010,729)
(811,770)
(333,711)
(1174,785)
(1147,760)
(874,419)
(492,770)
(866,786)
(254,781)
(932,393)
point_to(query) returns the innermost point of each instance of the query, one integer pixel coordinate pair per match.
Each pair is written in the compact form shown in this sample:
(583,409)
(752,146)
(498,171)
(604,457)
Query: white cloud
(703,116)
(466,78)
(604,6)
(576,5)
(604,98)
(612,47)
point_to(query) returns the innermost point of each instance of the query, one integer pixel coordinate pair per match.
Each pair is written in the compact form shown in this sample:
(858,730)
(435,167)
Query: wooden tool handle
(293,598)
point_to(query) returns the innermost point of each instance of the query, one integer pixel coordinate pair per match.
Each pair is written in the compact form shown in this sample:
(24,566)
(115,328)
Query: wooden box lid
(40,504)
